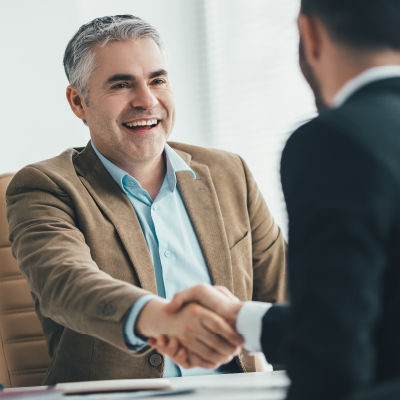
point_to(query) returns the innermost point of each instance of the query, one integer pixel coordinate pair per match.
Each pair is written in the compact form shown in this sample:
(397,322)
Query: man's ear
(312,38)
(76,102)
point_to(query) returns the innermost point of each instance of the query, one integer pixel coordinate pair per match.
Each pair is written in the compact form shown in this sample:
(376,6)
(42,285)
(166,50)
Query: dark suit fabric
(341,180)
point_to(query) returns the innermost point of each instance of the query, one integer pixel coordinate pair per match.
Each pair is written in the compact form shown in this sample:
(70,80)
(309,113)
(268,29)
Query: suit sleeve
(53,256)
(339,200)
(275,328)
(268,247)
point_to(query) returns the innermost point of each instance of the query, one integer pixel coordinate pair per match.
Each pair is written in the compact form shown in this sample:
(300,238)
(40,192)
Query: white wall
(35,121)
(233,67)
(257,93)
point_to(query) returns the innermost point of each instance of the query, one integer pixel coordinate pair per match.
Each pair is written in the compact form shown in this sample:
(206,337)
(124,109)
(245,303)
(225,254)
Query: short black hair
(364,24)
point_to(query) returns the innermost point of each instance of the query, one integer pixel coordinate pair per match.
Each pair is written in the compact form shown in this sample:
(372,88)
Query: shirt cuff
(132,340)
(249,323)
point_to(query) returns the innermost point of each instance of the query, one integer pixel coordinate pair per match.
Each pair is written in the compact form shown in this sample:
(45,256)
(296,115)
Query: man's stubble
(129,146)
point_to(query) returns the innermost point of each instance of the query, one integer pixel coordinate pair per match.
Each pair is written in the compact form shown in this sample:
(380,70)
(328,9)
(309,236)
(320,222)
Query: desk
(252,386)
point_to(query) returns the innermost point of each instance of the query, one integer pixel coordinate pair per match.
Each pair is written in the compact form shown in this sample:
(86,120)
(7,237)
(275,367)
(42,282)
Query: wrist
(151,319)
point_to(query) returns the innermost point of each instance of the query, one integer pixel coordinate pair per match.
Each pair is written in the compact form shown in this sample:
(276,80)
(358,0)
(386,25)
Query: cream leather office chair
(23,351)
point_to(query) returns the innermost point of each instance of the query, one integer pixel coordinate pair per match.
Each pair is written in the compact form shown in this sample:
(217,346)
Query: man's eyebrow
(161,72)
(118,78)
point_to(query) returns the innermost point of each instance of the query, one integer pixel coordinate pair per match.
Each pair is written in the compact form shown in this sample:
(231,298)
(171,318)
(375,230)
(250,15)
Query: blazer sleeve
(54,258)
(275,327)
(268,247)
(341,202)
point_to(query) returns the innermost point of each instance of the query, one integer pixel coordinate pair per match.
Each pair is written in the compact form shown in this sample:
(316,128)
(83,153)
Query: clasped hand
(196,329)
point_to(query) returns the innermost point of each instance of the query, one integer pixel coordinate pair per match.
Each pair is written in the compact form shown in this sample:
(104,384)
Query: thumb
(176,303)
(195,294)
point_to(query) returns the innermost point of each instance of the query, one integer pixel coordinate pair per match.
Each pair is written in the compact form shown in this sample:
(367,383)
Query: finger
(178,301)
(162,341)
(219,345)
(217,325)
(182,359)
(194,294)
(227,293)
(197,361)
(173,347)
(196,345)
(201,321)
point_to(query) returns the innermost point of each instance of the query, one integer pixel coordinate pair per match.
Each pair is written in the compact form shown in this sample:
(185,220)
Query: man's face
(130,88)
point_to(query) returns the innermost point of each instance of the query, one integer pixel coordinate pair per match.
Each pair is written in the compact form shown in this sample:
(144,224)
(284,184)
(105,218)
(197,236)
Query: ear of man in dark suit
(341,180)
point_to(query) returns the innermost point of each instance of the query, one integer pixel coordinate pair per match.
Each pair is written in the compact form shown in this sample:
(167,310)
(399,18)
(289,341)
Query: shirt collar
(174,164)
(369,76)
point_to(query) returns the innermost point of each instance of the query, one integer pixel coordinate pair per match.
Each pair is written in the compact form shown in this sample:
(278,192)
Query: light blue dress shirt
(172,242)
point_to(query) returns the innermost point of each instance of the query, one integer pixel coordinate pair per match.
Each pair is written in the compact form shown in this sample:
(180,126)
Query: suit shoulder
(338,125)
(43,174)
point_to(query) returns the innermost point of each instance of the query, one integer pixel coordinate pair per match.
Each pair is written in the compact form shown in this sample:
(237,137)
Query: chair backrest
(23,352)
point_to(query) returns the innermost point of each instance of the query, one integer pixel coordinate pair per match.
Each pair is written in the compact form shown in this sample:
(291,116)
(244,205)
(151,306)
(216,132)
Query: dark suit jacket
(341,179)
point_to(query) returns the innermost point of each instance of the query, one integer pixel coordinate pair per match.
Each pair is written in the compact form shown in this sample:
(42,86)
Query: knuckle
(203,286)
(195,310)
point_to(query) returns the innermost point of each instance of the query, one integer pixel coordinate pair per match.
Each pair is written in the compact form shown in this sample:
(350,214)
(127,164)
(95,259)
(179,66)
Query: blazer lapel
(116,206)
(202,205)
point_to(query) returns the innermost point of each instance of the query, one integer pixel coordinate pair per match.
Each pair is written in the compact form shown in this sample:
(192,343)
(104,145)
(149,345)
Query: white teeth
(142,123)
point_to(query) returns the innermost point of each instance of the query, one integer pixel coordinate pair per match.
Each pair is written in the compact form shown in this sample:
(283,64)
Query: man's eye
(158,82)
(120,86)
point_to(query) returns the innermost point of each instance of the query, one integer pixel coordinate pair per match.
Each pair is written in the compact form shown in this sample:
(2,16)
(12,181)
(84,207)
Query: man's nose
(144,98)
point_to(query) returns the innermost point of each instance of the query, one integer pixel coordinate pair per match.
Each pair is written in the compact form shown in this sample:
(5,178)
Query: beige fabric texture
(79,244)
(23,351)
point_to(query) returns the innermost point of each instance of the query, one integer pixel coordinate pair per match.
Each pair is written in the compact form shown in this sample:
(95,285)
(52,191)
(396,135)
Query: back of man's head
(362,24)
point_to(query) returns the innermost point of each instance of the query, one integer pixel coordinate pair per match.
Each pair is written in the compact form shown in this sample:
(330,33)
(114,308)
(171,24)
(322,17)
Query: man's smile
(143,125)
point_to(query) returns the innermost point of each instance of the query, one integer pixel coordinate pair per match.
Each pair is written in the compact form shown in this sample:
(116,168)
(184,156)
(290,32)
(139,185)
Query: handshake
(196,329)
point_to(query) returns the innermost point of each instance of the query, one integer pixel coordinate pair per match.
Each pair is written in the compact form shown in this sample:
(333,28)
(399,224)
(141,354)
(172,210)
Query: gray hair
(79,60)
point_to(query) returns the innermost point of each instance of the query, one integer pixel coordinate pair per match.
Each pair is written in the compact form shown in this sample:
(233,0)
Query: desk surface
(251,386)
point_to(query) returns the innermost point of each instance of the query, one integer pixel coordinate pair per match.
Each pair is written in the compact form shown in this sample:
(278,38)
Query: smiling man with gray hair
(107,234)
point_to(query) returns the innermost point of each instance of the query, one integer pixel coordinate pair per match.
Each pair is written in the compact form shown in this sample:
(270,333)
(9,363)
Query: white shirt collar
(369,76)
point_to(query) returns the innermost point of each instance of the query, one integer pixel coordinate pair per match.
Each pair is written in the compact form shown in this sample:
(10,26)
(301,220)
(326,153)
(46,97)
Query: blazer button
(155,360)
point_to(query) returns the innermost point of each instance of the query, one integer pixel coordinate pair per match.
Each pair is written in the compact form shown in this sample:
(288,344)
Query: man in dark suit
(340,174)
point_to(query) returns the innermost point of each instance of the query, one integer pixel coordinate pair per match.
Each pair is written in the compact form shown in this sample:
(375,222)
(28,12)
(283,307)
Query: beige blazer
(80,246)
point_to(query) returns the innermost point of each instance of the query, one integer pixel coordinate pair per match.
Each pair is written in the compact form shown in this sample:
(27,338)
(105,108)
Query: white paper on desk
(118,385)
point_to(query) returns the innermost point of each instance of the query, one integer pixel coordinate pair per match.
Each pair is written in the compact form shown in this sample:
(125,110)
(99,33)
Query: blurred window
(256,93)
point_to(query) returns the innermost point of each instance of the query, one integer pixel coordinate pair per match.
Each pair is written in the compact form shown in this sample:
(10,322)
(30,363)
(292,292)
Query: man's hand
(215,298)
(205,339)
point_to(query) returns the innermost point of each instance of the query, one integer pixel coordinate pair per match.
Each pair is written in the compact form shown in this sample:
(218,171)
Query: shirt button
(155,360)
(155,206)
(131,184)
(167,253)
